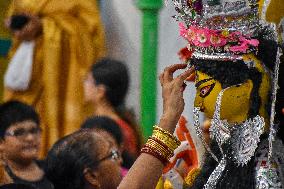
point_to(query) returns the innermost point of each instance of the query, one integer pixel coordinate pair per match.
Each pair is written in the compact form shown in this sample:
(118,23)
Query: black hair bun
(18,21)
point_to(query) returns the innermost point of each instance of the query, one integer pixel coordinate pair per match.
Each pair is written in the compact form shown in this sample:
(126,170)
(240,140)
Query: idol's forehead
(201,76)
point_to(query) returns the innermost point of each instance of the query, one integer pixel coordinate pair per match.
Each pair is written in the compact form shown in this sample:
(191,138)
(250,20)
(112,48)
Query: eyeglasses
(114,155)
(22,133)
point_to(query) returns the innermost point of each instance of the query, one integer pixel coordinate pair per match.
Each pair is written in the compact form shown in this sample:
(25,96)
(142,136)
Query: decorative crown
(219,29)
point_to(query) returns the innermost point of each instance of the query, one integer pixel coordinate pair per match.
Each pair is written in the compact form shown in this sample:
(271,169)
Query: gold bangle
(167,140)
(156,127)
(165,151)
(167,133)
(161,144)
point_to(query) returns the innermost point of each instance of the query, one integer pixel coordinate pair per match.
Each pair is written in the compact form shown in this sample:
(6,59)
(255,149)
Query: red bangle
(148,150)
(161,143)
(165,154)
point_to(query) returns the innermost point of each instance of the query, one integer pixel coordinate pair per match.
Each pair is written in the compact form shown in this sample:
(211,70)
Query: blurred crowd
(64,123)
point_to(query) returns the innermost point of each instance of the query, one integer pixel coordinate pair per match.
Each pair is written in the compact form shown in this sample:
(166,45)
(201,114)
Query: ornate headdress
(220,29)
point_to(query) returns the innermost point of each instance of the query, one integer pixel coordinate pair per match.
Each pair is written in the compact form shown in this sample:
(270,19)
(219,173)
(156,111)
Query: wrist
(168,123)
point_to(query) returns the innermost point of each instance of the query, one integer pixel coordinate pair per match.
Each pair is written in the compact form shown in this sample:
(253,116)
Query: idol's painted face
(235,100)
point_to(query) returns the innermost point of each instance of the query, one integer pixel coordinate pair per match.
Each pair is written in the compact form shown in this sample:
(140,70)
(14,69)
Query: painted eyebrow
(202,81)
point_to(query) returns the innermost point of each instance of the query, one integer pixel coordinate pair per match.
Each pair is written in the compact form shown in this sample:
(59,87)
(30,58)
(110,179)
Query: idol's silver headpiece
(220,29)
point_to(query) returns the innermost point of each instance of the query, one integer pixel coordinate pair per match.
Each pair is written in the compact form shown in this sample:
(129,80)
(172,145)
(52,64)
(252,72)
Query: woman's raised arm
(148,167)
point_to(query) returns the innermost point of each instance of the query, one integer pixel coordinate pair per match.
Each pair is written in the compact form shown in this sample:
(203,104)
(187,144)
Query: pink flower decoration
(217,40)
(234,36)
(203,38)
(244,45)
(252,42)
(191,34)
(239,48)
(182,30)
(223,41)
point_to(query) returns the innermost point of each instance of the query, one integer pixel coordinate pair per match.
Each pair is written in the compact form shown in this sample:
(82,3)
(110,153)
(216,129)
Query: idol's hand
(31,30)
(172,92)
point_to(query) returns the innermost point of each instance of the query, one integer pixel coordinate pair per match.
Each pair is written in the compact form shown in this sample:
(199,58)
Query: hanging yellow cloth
(275,10)
(275,13)
(72,39)
(4,35)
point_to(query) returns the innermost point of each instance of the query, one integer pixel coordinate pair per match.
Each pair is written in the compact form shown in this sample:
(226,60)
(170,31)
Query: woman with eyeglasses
(108,128)
(20,136)
(84,160)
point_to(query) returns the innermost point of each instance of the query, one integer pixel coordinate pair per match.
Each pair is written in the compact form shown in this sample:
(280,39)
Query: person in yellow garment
(4,42)
(66,37)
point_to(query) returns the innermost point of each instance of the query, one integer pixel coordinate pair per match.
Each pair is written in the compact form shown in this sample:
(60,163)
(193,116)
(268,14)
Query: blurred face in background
(21,141)
(89,88)
(108,169)
(93,92)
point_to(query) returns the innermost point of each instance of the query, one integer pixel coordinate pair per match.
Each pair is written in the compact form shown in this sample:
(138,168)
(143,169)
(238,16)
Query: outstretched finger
(191,78)
(185,75)
(169,71)
(161,78)
(179,80)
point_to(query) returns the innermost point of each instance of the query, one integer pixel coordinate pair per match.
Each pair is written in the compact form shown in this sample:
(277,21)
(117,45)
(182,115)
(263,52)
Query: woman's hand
(147,167)
(31,30)
(172,92)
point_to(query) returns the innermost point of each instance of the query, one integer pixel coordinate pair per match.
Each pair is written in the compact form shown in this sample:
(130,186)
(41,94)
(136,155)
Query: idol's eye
(205,91)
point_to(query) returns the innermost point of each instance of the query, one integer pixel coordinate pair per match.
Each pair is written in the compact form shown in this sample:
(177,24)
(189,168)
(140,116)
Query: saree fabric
(72,39)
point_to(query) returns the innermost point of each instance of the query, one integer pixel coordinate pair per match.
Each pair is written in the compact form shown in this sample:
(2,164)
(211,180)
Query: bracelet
(164,136)
(161,145)
(156,127)
(160,152)
(171,136)
(157,146)
(154,153)
(165,139)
